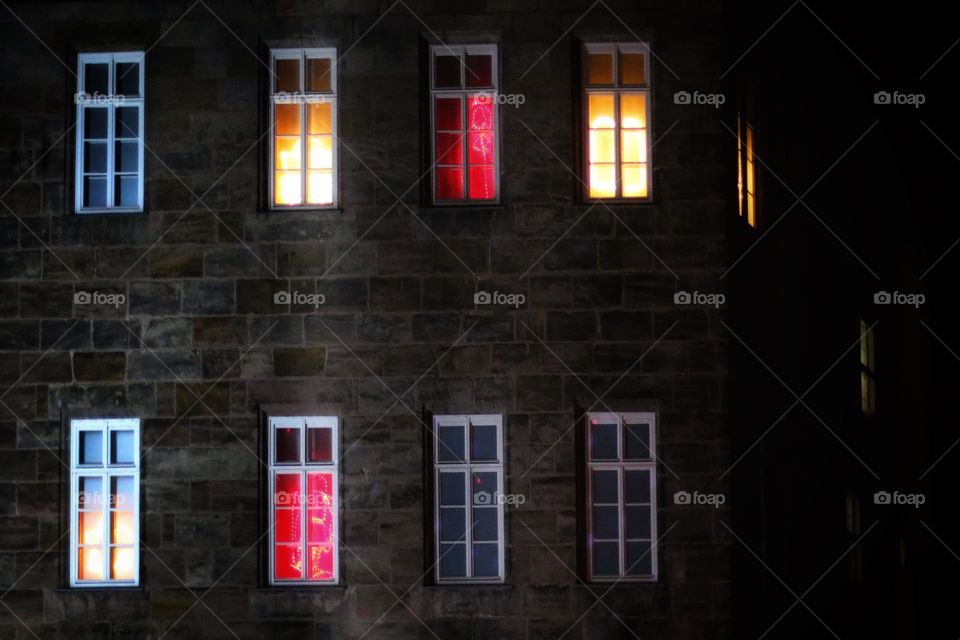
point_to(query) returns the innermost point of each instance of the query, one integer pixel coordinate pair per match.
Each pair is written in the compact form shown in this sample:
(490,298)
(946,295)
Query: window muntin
(104,503)
(304,500)
(464,124)
(468,499)
(621,496)
(616,94)
(868,373)
(303,129)
(110,120)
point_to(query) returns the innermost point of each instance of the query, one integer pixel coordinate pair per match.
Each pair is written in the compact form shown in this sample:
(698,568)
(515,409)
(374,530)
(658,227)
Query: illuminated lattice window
(104,502)
(868,372)
(303,120)
(304,501)
(621,487)
(109,153)
(464,123)
(616,106)
(468,499)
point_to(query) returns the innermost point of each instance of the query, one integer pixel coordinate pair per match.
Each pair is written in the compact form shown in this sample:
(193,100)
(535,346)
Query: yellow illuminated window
(739,168)
(617,108)
(751,172)
(303,101)
(868,376)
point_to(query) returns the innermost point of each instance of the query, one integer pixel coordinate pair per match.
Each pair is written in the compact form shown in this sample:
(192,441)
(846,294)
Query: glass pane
(449,148)
(447,71)
(288,153)
(485,523)
(94,123)
(453,560)
(483,442)
(484,488)
(319,74)
(447,114)
(288,119)
(485,560)
(479,71)
(602,148)
(319,445)
(122,531)
(638,487)
(453,524)
(94,192)
(633,146)
(603,441)
(127,158)
(127,124)
(287,188)
(97,78)
(288,445)
(606,559)
(319,489)
(91,493)
(288,562)
(288,525)
(639,559)
(288,75)
(604,485)
(600,111)
(633,111)
(91,447)
(91,527)
(320,187)
(320,152)
(90,563)
(95,157)
(287,490)
(122,563)
(606,524)
(599,68)
(121,447)
(638,522)
(452,490)
(481,147)
(483,184)
(320,118)
(634,181)
(321,562)
(636,441)
(451,443)
(320,525)
(449,184)
(631,68)
(480,114)
(127,191)
(128,79)
(122,493)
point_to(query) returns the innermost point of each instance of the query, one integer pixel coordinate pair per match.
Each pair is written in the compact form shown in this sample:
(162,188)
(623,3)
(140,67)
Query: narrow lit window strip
(751,178)
(104,503)
(868,379)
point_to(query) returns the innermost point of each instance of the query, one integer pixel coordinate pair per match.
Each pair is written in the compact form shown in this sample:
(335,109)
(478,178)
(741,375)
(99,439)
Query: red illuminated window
(303,500)
(464,123)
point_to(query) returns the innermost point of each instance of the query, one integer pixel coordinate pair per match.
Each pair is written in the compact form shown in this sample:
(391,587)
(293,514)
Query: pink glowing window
(464,130)
(303,505)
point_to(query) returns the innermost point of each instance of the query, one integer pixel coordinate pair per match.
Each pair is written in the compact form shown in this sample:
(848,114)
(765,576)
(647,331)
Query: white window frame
(332,467)
(621,466)
(112,101)
(617,90)
(467,467)
(105,472)
(464,93)
(303,98)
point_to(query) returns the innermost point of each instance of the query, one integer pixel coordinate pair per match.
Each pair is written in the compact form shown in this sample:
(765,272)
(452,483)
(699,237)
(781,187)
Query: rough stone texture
(199,320)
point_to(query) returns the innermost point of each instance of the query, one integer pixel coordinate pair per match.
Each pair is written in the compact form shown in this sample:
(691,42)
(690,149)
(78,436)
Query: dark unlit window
(868,372)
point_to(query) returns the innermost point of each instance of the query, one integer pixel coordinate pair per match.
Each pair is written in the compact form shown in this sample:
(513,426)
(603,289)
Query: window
(868,375)
(854,530)
(303,120)
(617,110)
(464,123)
(109,157)
(468,499)
(304,503)
(746,168)
(621,496)
(104,503)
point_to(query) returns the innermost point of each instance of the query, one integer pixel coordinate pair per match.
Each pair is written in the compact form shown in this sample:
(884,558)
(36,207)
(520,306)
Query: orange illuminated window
(617,130)
(304,503)
(303,104)
(746,171)
(105,503)
(464,129)
(868,373)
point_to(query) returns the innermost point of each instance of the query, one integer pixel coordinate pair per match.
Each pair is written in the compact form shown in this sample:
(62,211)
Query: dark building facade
(169,316)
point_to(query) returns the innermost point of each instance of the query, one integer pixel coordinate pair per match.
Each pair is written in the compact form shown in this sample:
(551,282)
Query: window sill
(300,588)
(83,213)
(102,589)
